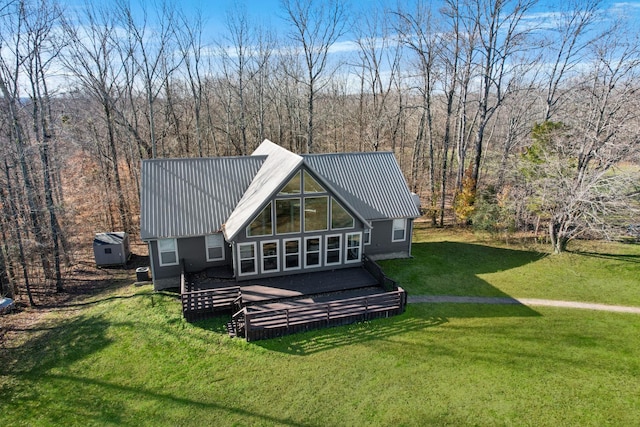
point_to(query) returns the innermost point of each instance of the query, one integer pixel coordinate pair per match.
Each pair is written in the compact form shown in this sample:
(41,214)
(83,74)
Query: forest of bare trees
(503,114)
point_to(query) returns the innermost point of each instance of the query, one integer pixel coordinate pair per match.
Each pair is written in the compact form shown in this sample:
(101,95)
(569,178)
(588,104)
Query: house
(273,213)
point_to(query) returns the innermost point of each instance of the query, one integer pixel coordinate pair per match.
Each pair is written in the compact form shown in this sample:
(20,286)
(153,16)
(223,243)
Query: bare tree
(43,50)
(94,58)
(153,46)
(380,59)
(568,47)
(418,34)
(575,169)
(502,36)
(316,26)
(189,38)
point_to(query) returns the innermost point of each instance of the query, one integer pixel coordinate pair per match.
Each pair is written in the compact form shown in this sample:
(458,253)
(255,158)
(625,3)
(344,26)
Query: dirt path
(522,301)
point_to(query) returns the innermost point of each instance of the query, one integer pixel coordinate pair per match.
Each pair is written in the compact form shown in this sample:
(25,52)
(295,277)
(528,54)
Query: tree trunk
(558,239)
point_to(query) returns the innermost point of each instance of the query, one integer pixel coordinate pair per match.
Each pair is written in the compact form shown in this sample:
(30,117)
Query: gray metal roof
(199,196)
(192,196)
(113,238)
(372,183)
(279,166)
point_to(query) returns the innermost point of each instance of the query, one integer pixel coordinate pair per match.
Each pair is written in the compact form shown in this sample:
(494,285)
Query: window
(340,218)
(354,245)
(399,230)
(366,238)
(293,186)
(287,216)
(107,251)
(316,213)
(215,247)
(270,260)
(261,225)
(247,259)
(312,251)
(311,185)
(168,250)
(291,254)
(333,250)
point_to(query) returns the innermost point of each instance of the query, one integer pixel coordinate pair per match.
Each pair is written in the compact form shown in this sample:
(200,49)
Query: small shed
(111,248)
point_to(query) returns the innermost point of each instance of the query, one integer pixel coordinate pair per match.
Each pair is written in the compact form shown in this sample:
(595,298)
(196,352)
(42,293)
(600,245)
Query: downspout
(151,258)
(234,262)
(410,235)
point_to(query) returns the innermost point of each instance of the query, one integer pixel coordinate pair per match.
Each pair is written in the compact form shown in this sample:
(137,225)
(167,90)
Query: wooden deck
(271,307)
(292,286)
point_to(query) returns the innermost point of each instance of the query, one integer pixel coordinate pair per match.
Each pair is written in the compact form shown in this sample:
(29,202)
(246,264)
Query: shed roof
(192,196)
(372,183)
(113,238)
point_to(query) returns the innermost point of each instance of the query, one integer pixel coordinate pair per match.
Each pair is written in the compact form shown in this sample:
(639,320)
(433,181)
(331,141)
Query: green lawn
(459,263)
(128,358)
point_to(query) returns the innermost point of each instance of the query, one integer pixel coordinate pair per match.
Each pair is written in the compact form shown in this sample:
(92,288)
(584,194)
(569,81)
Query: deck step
(231,329)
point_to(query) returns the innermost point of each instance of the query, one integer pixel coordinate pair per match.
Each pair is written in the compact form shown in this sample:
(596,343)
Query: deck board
(293,286)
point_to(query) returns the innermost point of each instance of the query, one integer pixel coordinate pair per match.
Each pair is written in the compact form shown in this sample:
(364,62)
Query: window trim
(300,214)
(175,251)
(319,252)
(304,215)
(207,247)
(247,230)
(346,248)
(353,220)
(306,173)
(366,237)
(284,254)
(255,258)
(299,174)
(326,249)
(394,229)
(276,256)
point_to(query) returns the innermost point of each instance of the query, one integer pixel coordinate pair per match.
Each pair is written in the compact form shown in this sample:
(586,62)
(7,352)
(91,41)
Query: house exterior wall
(333,249)
(382,246)
(191,251)
(280,239)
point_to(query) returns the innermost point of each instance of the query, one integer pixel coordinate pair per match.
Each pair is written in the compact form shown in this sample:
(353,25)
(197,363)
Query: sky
(269,12)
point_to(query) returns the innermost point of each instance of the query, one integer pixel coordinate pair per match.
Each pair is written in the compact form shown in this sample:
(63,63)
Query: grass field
(127,358)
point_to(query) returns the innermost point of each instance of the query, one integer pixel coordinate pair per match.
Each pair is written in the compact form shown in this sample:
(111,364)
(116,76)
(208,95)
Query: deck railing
(374,269)
(270,323)
(202,304)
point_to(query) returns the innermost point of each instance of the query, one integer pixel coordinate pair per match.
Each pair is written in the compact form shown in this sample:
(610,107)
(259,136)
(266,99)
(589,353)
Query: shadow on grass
(416,318)
(58,345)
(453,268)
(144,294)
(141,393)
(616,257)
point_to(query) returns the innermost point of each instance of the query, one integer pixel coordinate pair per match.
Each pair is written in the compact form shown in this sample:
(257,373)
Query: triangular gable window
(340,218)
(292,187)
(311,185)
(262,224)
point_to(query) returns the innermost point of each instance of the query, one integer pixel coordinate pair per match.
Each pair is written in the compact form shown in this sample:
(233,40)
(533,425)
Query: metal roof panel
(371,182)
(192,196)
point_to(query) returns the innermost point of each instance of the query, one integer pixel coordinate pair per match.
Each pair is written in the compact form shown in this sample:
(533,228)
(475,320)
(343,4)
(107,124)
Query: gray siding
(192,252)
(381,241)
